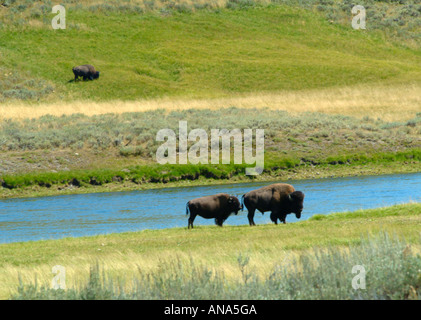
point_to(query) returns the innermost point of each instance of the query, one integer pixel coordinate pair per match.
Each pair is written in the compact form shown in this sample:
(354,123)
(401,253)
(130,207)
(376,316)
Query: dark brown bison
(279,198)
(86,71)
(219,207)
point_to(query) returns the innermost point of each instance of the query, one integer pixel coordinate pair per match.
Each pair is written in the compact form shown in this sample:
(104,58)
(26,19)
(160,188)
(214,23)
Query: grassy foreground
(230,250)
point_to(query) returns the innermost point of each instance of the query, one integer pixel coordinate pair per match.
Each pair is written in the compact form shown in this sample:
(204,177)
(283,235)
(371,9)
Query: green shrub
(392,271)
(16,85)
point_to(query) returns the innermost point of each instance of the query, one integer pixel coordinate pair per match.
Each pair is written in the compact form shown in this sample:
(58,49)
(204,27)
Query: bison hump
(90,67)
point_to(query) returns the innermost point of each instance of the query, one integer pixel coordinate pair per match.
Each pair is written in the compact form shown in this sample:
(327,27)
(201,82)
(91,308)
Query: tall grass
(135,133)
(387,102)
(392,271)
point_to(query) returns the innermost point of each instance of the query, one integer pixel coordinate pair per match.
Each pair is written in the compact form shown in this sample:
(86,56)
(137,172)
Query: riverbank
(284,175)
(124,255)
(113,152)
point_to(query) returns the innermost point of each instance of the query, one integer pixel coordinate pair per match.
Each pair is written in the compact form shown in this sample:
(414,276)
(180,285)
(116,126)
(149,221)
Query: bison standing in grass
(86,71)
(219,207)
(279,198)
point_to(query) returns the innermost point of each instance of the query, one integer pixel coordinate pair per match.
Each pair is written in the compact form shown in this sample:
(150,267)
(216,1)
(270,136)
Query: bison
(86,71)
(279,198)
(219,206)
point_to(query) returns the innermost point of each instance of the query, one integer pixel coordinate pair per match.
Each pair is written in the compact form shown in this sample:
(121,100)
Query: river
(55,217)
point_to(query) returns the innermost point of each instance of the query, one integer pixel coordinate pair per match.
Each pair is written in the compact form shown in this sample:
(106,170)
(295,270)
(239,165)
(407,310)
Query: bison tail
(187,208)
(242,202)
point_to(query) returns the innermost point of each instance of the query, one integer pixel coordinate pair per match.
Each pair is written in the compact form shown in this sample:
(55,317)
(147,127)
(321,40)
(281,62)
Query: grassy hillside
(233,252)
(205,53)
(228,64)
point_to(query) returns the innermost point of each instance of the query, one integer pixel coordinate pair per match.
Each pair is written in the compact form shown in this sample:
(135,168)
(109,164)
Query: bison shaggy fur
(219,207)
(280,199)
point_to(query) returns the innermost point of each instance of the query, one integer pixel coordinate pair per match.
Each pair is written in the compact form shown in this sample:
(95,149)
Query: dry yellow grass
(126,266)
(390,103)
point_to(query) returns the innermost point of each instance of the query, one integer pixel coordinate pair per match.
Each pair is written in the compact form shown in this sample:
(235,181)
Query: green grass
(392,211)
(207,53)
(158,174)
(263,251)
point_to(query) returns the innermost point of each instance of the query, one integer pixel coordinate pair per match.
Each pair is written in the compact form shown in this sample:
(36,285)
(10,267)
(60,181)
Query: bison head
(296,200)
(96,75)
(234,204)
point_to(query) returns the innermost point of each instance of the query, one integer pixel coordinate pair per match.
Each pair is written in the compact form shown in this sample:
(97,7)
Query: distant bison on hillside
(86,71)
(279,198)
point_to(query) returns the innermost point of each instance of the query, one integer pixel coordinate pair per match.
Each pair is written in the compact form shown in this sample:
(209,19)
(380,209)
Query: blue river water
(101,213)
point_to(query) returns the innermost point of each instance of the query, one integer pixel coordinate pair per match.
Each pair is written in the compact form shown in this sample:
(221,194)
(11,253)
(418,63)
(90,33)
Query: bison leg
(274,217)
(191,219)
(250,216)
(283,218)
(219,222)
